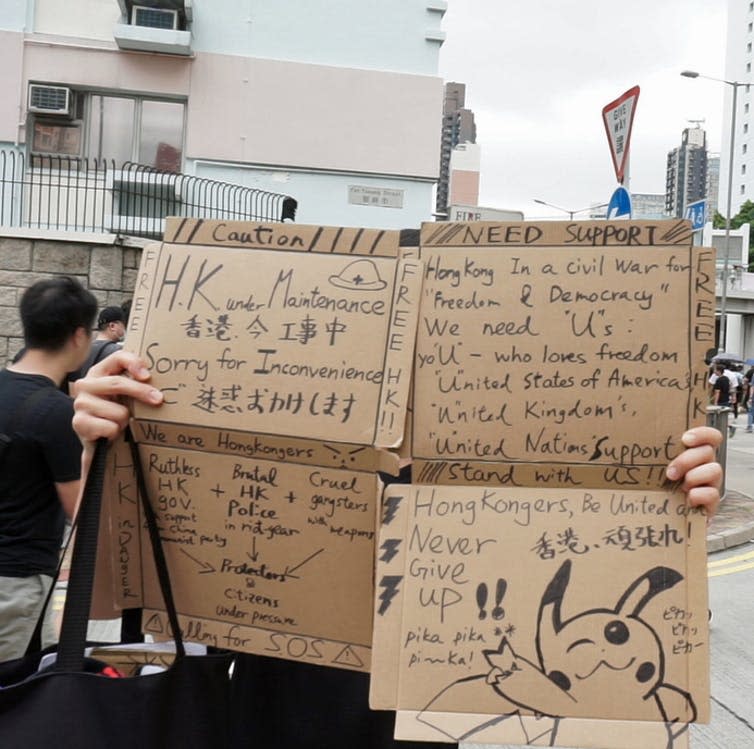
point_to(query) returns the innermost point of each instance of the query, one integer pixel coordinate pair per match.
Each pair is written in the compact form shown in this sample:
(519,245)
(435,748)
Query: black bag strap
(157,551)
(81,579)
(79,596)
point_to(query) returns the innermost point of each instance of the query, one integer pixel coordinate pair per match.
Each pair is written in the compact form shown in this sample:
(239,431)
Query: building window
(748,67)
(746,108)
(743,168)
(117,128)
(147,131)
(744,148)
(748,47)
(746,127)
(743,189)
(751,27)
(48,136)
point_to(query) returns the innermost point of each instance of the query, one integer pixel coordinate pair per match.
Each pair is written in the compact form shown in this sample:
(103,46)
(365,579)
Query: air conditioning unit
(156,18)
(50,99)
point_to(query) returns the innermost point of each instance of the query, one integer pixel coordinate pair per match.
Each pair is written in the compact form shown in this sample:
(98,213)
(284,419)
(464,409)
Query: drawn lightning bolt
(391,508)
(390,585)
(391,549)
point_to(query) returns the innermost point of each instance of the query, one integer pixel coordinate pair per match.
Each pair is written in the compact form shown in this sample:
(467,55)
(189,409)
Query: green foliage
(744,216)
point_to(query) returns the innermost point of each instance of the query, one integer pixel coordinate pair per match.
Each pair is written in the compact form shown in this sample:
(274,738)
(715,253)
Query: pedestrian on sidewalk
(41,455)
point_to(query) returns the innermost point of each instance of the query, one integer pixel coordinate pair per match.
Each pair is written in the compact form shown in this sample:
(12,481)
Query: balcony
(71,194)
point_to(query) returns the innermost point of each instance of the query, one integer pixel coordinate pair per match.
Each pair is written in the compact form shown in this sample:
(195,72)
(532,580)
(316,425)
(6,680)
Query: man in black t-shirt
(721,387)
(40,464)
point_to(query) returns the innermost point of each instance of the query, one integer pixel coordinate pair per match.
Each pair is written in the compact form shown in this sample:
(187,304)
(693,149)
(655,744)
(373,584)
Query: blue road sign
(620,204)
(697,212)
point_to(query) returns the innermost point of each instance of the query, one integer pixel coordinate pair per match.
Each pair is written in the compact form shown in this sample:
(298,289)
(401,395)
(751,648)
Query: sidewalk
(734,522)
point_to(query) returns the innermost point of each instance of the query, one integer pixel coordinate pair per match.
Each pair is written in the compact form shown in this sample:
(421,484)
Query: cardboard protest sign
(523,602)
(540,518)
(284,353)
(538,731)
(548,349)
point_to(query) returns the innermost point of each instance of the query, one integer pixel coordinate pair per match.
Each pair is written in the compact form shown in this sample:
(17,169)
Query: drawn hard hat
(358,275)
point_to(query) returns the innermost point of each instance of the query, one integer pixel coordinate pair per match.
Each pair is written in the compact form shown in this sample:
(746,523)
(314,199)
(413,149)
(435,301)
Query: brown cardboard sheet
(265,552)
(279,342)
(548,366)
(523,602)
(540,570)
(538,731)
(285,354)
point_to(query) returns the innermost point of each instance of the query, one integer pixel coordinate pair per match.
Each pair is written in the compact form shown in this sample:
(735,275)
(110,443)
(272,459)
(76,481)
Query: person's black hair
(53,309)
(126,307)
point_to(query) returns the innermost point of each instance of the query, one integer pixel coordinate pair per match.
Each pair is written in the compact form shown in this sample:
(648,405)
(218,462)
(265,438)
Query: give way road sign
(618,117)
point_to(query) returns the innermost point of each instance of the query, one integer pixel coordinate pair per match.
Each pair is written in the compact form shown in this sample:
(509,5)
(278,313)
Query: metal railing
(90,195)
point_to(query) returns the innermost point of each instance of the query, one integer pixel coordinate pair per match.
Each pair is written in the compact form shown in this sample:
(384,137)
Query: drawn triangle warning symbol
(348,657)
(154,625)
(618,117)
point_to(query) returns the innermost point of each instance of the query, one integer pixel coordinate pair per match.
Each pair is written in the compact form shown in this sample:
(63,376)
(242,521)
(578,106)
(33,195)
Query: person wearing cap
(111,327)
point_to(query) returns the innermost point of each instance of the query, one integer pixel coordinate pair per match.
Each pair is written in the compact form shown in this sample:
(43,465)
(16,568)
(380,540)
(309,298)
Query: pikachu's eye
(645,672)
(616,632)
(559,678)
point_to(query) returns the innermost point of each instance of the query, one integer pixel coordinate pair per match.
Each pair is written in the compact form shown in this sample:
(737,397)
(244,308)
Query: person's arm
(68,494)
(715,393)
(99,409)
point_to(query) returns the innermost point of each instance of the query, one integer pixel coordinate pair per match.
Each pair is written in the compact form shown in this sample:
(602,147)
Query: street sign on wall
(618,117)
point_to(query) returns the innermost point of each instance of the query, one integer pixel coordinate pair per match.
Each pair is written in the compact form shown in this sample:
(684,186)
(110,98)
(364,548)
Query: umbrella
(727,357)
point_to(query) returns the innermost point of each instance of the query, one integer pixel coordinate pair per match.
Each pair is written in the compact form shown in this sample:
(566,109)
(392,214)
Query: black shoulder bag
(68,706)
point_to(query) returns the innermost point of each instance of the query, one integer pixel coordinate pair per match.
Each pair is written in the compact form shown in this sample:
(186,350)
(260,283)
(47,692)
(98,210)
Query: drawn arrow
(288,571)
(253,554)
(205,566)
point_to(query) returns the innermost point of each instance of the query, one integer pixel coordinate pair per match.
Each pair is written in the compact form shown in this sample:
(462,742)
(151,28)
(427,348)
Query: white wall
(384,35)
(13,14)
(323,196)
(736,59)
(83,19)
(314,116)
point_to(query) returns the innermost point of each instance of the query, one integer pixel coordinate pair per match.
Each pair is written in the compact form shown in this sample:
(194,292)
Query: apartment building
(336,103)
(686,173)
(739,57)
(458,128)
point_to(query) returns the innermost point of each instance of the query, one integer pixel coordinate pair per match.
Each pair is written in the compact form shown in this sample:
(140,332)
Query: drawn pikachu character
(598,654)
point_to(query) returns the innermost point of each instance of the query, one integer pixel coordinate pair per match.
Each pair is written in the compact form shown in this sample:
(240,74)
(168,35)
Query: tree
(744,216)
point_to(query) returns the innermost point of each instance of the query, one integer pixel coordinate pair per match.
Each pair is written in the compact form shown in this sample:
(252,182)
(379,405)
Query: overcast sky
(539,72)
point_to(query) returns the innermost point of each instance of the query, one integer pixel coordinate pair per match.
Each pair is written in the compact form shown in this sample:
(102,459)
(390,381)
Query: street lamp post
(726,260)
(565,210)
